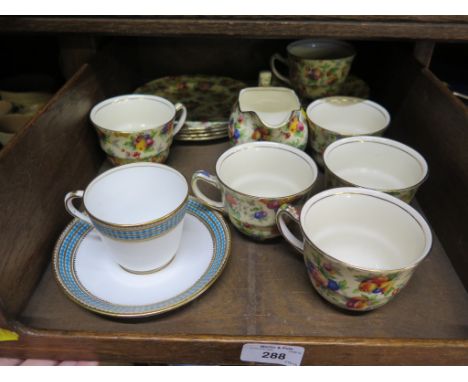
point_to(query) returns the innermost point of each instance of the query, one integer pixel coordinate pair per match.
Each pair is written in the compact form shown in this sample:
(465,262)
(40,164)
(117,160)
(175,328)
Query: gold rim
(207,138)
(205,134)
(212,126)
(370,103)
(409,188)
(117,99)
(139,225)
(123,227)
(227,254)
(293,196)
(362,269)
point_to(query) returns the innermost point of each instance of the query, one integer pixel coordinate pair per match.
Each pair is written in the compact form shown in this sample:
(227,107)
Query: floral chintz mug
(317,67)
(137,127)
(138,210)
(255,179)
(360,246)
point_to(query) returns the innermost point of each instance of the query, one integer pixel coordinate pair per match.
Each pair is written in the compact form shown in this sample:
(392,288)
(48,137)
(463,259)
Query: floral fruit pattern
(318,78)
(256,217)
(149,145)
(247,127)
(332,181)
(207,98)
(319,139)
(351,288)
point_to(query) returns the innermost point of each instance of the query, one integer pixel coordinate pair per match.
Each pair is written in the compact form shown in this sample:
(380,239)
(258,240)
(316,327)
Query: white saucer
(85,270)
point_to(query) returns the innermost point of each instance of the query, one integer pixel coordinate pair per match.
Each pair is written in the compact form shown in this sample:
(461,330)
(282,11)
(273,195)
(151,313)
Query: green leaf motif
(343,284)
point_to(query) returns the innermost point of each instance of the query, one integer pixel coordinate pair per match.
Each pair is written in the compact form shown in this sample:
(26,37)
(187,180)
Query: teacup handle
(280,58)
(183,117)
(205,176)
(71,208)
(293,214)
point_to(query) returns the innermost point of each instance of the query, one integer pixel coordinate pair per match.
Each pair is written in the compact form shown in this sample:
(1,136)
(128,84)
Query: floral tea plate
(208,99)
(85,271)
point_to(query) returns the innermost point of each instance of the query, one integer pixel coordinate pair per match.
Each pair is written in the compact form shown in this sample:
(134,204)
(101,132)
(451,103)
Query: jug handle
(278,57)
(292,213)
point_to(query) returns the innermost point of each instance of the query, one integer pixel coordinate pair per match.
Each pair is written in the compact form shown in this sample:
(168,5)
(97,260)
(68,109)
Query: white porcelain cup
(138,210)
(137,127)
(377,163)
(333,118)
(360,246)
(255,179)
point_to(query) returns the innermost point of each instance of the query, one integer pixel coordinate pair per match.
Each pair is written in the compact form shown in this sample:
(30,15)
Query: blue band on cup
(142,232)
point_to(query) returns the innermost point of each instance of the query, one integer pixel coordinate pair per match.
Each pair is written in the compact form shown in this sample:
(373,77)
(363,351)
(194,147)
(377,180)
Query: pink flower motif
(273,204)
(231,200)
(328,267)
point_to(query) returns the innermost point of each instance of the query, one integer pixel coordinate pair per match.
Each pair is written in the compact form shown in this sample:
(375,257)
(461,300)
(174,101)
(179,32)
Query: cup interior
(348,115)
(132,113)
(366,229)
(266,170)
(320,49)
(135,194)
(377,163)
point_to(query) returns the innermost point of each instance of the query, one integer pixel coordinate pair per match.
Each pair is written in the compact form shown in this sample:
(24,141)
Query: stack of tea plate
(208,99)
(16,109)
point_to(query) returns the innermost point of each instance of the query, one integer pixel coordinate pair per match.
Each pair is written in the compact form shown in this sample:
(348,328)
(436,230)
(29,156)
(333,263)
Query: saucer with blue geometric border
(86,272)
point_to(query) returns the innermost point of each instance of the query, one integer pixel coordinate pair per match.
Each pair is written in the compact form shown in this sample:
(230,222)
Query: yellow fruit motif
(293,125)
(256,135)
(141,145)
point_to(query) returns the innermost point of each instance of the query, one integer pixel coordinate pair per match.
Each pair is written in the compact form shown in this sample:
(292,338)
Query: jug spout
(272,105)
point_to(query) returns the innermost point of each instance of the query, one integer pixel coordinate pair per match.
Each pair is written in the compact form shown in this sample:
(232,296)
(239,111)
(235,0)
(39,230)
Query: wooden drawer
(263,295)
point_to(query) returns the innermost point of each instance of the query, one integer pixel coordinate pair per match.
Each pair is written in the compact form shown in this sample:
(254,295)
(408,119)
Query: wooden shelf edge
(248,27)
(222,349)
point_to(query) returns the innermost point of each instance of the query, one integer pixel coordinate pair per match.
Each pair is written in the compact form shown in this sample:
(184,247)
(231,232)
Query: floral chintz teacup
(317,67)
(255,179)
(333,118)
(138,210)
(376,163)
(137,127)
(360,246)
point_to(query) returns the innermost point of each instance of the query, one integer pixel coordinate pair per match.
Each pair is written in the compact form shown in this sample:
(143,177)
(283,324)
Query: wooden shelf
(440,28)
(263,294)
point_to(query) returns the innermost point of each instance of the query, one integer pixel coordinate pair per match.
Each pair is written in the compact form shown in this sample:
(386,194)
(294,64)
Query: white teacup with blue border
(138,210)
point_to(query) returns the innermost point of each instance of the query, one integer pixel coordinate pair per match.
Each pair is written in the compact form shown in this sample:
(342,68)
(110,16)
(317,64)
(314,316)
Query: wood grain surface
(440,133)
(359,27)
(54,153)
